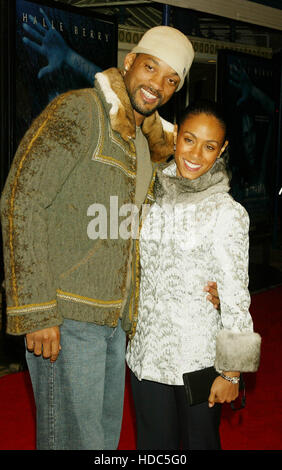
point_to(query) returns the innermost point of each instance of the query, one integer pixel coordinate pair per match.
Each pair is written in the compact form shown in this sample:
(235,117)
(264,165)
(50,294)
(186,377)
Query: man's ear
(129,60)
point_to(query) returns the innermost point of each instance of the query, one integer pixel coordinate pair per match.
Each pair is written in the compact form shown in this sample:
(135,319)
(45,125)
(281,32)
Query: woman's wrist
(231,373)
(232,377)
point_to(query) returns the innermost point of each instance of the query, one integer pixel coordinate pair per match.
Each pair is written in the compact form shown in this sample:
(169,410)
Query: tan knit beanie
(169,45)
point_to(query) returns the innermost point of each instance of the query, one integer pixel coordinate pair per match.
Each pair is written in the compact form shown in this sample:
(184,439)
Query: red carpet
(257,427)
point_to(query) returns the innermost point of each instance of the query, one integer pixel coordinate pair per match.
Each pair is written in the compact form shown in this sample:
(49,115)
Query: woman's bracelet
(233,380)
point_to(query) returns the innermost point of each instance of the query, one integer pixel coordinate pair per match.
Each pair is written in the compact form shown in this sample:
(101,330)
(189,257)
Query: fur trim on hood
(172,189)
(158,132)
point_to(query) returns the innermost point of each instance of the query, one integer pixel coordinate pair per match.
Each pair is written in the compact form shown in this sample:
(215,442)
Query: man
(66,289)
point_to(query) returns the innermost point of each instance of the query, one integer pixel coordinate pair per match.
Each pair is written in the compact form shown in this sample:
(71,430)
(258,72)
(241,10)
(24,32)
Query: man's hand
(213,294)
(45,342)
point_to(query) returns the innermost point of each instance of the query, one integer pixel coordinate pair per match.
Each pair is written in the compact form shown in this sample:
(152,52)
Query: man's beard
(139,108)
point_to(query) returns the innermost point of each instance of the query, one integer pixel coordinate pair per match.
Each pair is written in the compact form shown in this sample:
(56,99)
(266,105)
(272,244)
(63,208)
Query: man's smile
(149,96)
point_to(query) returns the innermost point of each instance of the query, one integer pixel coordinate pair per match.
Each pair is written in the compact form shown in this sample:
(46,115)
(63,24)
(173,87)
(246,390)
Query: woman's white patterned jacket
(194,233)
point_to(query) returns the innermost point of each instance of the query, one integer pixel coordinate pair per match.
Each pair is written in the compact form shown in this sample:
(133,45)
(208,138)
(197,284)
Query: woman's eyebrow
(191,133)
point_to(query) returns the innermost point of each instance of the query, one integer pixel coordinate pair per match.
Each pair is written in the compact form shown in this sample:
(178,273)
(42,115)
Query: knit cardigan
(78,152)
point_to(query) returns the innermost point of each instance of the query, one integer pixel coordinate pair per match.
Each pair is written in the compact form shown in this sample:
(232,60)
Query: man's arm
(213,297)
(46,156)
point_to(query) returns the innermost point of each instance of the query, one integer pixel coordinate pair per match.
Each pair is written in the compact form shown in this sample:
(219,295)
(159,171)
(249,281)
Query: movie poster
(245,87)
(57,49)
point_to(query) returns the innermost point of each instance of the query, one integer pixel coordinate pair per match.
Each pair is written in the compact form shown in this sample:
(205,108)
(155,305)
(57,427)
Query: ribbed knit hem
(26,320)
(79,311)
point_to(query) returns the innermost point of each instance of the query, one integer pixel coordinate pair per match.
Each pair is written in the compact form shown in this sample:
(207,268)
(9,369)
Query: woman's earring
(174,137)
(221,152)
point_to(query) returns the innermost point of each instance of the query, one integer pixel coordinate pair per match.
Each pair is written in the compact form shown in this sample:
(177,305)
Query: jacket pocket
(82,262)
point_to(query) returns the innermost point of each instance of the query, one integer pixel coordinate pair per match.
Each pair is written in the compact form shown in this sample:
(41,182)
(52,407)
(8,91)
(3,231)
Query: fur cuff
(237,351)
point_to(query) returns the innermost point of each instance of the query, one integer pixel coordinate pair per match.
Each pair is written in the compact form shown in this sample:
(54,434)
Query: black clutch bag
(198,384)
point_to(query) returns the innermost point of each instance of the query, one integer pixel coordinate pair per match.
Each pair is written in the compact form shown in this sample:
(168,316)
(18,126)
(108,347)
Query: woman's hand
(223,391)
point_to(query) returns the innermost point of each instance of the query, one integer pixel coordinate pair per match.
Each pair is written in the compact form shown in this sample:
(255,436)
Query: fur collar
(172,189)
(158,132)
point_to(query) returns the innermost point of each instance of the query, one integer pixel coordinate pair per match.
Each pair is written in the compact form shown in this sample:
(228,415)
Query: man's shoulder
(74,106)
(82,95)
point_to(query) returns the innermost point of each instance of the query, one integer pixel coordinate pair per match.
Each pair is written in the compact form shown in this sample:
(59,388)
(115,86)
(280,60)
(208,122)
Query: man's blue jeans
(79,398)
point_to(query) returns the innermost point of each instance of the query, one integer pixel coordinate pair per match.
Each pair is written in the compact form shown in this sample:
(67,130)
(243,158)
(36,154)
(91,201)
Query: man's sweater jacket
(78,152)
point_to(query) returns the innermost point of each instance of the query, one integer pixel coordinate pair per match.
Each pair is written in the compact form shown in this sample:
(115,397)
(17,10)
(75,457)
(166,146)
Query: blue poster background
(56,49)
(245,87)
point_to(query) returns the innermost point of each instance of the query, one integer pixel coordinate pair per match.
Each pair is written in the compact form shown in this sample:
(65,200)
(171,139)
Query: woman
(194,232)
